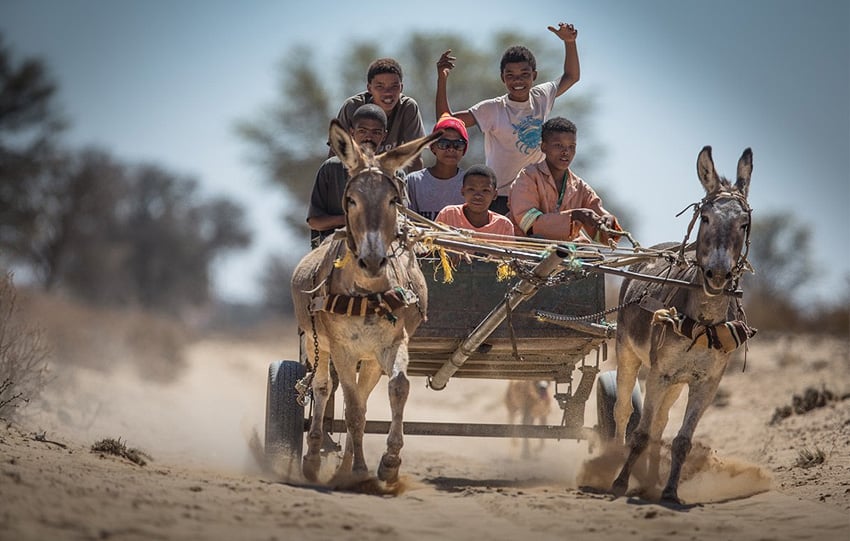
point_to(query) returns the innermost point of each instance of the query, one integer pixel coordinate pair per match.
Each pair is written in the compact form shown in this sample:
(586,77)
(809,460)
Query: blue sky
(166,80)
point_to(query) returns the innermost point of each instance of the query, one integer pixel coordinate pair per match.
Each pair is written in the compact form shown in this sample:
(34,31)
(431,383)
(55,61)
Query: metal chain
(588,317)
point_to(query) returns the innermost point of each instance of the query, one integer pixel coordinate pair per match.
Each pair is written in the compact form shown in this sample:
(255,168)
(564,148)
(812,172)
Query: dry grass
(101,338)
(116,447)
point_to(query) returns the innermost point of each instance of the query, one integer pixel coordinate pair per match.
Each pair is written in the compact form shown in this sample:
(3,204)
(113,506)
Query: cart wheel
(606,397)
(284,415)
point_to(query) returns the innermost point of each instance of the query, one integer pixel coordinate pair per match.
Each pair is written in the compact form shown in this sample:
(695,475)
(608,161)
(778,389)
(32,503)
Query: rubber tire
(606,397)
(284,415)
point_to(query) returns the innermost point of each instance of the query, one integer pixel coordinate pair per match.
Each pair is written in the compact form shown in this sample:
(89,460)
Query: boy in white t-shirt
(511,122)
(479,190)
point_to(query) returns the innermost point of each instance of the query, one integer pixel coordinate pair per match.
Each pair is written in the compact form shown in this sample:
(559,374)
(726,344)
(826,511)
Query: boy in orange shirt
(548,200)
(479,191)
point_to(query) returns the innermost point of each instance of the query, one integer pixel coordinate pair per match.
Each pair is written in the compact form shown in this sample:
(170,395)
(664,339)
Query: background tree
(29,125)
(781,255)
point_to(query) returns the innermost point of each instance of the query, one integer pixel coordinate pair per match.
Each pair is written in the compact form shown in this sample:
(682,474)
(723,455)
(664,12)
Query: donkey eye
(703,218)
(395,201)
(349,202)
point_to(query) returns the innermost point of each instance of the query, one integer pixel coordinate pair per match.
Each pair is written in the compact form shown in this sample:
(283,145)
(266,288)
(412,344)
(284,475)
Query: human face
(368,133)
(518,78)
(560,149)
(385,89)
(478,192)
(449,155)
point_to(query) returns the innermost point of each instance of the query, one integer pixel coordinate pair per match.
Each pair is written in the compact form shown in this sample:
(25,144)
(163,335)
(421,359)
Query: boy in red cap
(511,122)
(431,189)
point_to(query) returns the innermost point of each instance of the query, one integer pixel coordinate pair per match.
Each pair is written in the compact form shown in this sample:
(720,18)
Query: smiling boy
(478,191)
(384,87)
(548,200)
(511,122)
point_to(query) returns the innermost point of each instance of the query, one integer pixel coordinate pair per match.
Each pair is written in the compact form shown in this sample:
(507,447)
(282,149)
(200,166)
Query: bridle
(742,264)
(396,184)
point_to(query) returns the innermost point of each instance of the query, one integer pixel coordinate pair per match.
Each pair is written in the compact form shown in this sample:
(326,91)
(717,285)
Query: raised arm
(568,34)
(444,65)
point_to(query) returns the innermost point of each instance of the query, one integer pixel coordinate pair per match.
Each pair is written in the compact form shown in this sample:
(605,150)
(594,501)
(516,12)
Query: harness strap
(726,336)
(382,304)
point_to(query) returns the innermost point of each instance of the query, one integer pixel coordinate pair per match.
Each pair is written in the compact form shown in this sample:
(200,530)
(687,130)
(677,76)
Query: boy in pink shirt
(479,191)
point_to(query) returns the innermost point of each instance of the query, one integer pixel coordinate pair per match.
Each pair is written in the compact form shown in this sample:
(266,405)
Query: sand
(203,480)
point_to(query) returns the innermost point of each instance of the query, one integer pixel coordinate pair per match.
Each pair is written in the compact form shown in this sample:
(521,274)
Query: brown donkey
(684,335)
(359,299)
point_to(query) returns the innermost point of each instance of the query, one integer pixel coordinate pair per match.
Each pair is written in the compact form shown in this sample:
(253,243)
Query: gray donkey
(358,299)
(684,335)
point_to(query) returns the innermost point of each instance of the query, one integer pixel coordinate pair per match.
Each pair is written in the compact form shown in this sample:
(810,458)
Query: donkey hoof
(619,488)
(671,497)
(310,468)
(388,468)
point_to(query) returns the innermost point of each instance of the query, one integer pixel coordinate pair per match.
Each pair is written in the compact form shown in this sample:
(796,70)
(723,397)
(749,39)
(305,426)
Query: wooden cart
(542,323)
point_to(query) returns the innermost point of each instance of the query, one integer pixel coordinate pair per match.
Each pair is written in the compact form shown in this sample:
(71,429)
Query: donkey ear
(402,156)
(344,146)
(706,172)
(745,170)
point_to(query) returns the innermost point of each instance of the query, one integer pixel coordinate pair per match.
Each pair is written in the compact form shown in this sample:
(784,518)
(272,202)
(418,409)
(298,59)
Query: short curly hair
(518,53)
(557,124)
(383,65)
(483,171)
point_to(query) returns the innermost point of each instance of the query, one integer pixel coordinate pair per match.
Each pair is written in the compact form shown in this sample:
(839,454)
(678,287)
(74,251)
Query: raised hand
(566,32)
(445,64)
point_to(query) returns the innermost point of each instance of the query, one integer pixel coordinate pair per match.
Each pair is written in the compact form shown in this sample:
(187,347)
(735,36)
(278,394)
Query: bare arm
(324,223)
(571,75)
(444,65)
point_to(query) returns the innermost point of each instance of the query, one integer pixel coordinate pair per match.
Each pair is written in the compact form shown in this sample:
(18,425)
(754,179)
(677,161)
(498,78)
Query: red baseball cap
(449,122)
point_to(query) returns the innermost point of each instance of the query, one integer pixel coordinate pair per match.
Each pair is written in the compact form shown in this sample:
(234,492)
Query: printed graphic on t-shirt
(528,132)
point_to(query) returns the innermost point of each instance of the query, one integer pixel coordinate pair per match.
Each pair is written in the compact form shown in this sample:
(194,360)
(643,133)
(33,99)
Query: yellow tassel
(448,277)
(340,263)
(504,271)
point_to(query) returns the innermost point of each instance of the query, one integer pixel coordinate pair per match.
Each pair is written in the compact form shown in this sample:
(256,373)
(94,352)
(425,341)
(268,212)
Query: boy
(383,88)
(325,214)
(550,201)
(431,189)
(479,191)
(511,122)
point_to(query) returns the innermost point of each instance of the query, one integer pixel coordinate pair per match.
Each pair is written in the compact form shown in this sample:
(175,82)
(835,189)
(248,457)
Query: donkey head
(372,194)
(724,222)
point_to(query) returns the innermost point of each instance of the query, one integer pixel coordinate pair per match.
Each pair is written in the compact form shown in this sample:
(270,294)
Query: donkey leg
(639,439)
(659,423)
(628,364)
(355,420)
(700,395)
(321,393)
(367,377)
(398,388)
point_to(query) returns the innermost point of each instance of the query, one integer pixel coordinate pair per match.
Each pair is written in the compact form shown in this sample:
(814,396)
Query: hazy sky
(166,80)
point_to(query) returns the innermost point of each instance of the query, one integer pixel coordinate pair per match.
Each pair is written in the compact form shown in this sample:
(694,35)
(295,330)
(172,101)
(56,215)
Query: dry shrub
(103,338)
(111,446)
(23,353)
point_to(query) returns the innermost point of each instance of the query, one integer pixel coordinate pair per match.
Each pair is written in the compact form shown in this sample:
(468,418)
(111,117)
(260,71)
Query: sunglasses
(445,144)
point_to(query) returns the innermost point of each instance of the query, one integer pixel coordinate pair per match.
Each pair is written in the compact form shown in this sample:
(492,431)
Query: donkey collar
(382,304)
(726,336)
